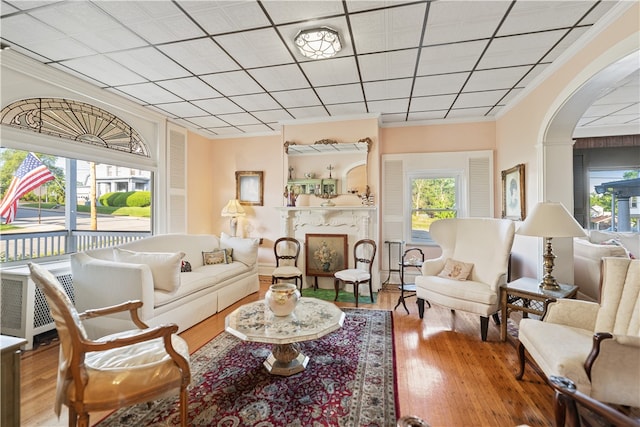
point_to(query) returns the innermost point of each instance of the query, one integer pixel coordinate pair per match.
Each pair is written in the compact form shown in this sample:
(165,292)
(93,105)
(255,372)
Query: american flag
(31,174)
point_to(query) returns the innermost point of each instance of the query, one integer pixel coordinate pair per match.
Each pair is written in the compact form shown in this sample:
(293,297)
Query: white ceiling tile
(518,50)
(280,78)
(110,40)
(503,78)
(331,71)
(260,128)
(308,112)
(388,29)
(227,131)
(390,106)
(218,106)
(149,93)
(218,17)
(200,56)
(154,21)
(537,70)
(150,63)
(340,94)
(393,118)
(232,83)
(60,49)
(345,109)
(163,112)
(256,48)
(6,9)
(510,96)
(31,4)
(388,65)
(618,119)
(182,109)
(360,5)
(428,115)
(296,98)
(239,119)
(450,58)
(479,99)
(429,103)
(601,110)
(633,109)
(104,69)
(567,41)
(454,21)
(207,121)
(598,12)
(13,30)
(439,85)
(290,11)
(528,16)
(272,116)
(387,89)
(76,18)
(79,75)
(189,88)
(467,112)
(259,101)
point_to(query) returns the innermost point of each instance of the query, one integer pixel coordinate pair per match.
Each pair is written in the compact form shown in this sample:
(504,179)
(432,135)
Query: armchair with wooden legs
(118,370)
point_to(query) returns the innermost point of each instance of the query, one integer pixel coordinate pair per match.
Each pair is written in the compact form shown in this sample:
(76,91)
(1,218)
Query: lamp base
(549,283)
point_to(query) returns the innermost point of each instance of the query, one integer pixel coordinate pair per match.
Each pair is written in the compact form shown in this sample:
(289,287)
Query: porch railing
(19,247)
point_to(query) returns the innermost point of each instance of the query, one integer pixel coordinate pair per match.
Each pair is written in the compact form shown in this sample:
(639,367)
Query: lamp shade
(318,43)
(233,209)
(551,219)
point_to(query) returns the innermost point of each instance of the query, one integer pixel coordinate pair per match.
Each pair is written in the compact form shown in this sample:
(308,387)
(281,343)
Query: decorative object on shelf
(310,175)
(330,168)
(325,254)
(367,197)
(290,172)
(233,209)
(249,187)
(513,196)
(318,43)
(549,220)
(282,298)
(327,197)
(291,195)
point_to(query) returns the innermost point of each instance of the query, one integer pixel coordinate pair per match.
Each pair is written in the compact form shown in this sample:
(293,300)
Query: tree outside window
(432,198)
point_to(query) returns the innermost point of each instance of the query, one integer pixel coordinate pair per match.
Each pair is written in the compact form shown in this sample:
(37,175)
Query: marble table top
(311,319)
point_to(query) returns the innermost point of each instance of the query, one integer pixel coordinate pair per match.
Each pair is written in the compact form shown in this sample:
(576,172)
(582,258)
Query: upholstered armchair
(117,370)
(473,265)
(597,346)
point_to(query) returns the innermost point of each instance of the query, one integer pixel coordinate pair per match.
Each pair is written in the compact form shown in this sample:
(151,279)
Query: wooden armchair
(595,345)
(117,370)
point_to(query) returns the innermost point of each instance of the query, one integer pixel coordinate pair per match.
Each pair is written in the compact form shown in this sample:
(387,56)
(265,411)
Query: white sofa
(149,270)
(589,251)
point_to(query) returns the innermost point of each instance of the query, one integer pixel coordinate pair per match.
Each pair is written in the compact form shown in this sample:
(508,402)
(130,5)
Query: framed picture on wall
(249,188)
(513,197)
(325,254)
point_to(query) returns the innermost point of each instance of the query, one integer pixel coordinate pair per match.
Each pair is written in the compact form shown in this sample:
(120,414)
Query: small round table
(311,319)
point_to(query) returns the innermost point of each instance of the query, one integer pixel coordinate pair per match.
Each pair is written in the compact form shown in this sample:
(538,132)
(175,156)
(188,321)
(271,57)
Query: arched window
(76,121)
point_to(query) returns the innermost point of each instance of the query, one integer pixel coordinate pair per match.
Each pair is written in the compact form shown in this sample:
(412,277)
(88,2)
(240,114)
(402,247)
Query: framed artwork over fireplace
(325,253)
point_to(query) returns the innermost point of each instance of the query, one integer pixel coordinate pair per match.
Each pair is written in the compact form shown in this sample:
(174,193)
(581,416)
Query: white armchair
(482,243)
(597,346)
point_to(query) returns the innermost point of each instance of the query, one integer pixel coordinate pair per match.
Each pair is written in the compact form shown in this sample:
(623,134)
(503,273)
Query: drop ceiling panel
(280,78)
(530,16)
(218,17)
(104,69)
(150,63)
(76,18)
(467,112)
(308,112)
(292,11)
(259,101)
(341,94)
(463,20)
(388,29)
(479,99)
(388,65)
(189,88)
(519,50)
(450,58)
(232,83)
(255,48)
(200,56)
(331,71)
(439,85)
(427,115)
(218,106)
(296,98)
(503,78)
(392,106)
(149,93)
(60,49)
(346,109)
(207,121)
(238,119)
(430,103)
(273,116)
(387,89)
(13,30)
(259,128)
(182,109)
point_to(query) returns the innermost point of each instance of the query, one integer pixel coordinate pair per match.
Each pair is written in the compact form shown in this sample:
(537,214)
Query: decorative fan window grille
(76,121)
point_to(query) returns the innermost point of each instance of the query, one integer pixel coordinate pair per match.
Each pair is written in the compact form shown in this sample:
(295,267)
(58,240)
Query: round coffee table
(312,319)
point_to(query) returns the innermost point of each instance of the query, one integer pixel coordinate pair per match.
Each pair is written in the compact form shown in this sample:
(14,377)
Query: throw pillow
(164,266)
(216,256)
(185,267)
(228,253)
(457,270)
(244,250)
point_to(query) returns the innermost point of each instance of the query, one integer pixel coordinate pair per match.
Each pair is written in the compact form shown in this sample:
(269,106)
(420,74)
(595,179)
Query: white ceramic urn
(282,298)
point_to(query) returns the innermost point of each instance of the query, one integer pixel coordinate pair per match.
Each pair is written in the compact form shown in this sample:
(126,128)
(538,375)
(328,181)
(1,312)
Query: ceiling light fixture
(318,43)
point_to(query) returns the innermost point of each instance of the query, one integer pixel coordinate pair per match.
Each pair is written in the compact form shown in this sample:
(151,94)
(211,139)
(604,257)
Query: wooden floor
(446,374)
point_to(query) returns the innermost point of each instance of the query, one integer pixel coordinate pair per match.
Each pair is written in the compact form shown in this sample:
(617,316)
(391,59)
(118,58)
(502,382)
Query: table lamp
(233,209)
(549,220)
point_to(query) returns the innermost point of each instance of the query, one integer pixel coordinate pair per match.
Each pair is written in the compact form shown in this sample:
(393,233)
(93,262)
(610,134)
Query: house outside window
(433,197)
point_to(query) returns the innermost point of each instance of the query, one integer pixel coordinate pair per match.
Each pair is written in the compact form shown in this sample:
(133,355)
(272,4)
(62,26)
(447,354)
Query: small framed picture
(513,197)
(249,188)
(325,254)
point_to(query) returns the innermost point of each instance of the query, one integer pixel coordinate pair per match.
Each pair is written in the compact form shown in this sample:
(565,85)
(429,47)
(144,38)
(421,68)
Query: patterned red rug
(350,381)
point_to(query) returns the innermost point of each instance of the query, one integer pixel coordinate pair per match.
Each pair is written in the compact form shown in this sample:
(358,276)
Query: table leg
(504,315)
(286,360)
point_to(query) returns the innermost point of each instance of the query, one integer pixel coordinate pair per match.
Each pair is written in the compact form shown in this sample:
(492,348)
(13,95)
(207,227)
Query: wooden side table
(526,295)
(10,389)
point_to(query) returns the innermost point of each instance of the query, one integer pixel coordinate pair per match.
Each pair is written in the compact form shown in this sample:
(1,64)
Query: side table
(390,244)
(526,295)
(413,257)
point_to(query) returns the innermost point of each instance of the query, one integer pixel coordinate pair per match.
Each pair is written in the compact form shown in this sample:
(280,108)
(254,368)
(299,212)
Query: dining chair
(364,252)
(287,251)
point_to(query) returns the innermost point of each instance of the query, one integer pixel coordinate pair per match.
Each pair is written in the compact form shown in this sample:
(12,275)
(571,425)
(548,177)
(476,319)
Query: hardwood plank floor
(446,374)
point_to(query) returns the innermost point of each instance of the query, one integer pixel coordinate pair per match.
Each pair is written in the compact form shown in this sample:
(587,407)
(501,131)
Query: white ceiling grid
(231,67)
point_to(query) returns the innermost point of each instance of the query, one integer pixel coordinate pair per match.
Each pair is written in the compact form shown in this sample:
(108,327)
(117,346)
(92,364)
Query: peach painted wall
(199,178)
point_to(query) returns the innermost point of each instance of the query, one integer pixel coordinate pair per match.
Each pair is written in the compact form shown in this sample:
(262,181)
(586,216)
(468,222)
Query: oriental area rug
(350,381)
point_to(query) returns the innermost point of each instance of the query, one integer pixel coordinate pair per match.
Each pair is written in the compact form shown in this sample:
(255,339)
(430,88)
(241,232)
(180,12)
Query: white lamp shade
(551,219)
(233,209)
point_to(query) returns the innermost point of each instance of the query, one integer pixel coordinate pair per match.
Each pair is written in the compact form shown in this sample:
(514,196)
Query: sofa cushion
(457,270)
(164,266)
(217,256)
(244,250)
